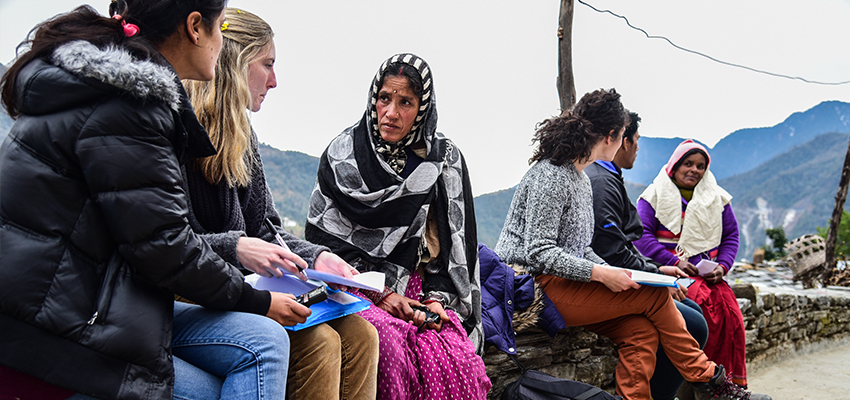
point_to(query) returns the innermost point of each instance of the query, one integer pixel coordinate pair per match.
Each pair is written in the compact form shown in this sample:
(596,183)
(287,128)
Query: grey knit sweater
(549,226)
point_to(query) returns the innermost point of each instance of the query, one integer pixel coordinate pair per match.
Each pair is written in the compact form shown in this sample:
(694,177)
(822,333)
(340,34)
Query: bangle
(378,297)
(435,298)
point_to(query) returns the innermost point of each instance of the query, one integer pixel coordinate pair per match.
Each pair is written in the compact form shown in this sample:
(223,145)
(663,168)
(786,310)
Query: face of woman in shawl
(397,108)
(261,76)
(690,172)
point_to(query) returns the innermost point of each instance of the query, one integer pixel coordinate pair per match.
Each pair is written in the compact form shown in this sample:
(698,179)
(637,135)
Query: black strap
(516,361)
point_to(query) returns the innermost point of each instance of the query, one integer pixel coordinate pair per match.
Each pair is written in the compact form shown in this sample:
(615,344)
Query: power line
(710,57)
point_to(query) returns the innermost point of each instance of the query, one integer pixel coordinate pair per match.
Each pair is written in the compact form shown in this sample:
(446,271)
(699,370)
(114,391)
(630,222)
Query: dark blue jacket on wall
(502,292)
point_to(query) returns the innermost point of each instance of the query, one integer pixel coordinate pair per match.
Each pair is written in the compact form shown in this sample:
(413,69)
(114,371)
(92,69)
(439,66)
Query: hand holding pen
(300,269)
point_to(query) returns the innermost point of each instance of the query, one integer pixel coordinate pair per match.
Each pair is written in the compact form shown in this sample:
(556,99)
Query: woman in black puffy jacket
(93,228)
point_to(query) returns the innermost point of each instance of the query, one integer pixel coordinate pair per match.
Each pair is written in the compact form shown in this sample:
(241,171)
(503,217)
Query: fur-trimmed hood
(80,71)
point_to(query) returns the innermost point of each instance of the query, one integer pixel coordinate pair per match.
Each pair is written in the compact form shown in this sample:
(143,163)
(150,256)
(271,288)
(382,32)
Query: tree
(776,249)
(566,82)
(842,237)
(827,270)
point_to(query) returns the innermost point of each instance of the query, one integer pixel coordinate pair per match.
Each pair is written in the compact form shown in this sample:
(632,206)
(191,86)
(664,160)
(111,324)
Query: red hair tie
(129,29)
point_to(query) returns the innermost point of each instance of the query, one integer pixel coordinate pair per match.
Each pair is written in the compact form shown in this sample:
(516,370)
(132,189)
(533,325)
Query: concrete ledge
(780,323)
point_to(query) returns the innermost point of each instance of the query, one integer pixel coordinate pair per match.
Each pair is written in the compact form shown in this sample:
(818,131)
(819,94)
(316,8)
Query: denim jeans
(666,380)
(228,355)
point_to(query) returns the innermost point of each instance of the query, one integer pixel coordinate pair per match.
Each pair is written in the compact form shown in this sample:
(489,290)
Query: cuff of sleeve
(253,301)
(315,255)
(231,241)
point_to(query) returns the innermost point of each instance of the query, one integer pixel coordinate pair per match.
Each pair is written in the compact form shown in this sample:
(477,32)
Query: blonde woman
(230,200)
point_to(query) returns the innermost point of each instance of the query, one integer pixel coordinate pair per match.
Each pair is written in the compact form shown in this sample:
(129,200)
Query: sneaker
(721,387)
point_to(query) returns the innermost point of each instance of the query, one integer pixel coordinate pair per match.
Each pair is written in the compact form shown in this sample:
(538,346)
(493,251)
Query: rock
(758,256)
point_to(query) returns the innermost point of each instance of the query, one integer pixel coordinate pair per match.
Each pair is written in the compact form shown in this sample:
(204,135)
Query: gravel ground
(824,374)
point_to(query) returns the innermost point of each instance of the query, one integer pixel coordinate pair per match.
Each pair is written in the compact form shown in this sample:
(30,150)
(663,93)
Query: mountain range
(746,149)
(785,175)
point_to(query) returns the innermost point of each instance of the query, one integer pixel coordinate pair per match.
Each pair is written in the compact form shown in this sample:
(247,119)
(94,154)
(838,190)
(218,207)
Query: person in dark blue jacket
(617,224)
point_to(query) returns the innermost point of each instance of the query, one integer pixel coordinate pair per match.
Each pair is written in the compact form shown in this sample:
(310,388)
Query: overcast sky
(495,65)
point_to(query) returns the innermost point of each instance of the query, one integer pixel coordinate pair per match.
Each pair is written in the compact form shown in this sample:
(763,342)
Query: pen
(283,244)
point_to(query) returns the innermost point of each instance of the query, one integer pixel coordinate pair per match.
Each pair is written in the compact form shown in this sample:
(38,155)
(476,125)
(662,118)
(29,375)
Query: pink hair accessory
(129,29)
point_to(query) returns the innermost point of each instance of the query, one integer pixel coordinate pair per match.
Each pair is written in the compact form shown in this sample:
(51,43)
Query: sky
(494,65)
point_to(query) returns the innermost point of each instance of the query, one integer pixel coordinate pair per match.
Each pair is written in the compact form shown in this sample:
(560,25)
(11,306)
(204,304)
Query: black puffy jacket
(94,238)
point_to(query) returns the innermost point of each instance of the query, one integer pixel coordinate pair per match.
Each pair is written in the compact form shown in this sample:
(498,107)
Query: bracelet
(435,298)
(377,297)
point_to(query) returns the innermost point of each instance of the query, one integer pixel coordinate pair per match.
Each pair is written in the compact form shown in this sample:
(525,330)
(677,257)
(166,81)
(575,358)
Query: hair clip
(237,11)
(129,29)
(224,26)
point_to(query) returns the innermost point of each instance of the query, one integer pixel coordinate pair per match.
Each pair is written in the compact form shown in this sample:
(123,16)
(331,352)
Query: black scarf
(372,217)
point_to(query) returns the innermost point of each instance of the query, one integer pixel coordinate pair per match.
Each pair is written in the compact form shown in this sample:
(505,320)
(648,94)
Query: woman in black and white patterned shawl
(393,195)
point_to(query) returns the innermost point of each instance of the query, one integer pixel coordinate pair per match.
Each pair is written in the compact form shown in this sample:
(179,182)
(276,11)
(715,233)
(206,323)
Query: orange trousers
(637,320)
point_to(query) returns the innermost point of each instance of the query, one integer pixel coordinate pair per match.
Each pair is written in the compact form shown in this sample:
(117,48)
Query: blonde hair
(221,105)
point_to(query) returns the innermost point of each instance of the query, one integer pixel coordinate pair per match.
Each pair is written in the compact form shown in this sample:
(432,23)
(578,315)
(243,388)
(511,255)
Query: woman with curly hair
(548,230)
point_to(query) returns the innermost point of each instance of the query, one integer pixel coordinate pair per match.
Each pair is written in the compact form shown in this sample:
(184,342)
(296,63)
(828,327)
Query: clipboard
(338,303)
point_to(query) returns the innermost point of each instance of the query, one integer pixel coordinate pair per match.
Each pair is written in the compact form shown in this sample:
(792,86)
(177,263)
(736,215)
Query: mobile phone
(685,282)
(314,296)
(430,316)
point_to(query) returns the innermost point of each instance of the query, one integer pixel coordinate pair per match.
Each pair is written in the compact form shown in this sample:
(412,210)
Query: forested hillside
(795,190)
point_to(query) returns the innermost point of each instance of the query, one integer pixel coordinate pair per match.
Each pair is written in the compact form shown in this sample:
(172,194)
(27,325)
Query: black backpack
(535,385)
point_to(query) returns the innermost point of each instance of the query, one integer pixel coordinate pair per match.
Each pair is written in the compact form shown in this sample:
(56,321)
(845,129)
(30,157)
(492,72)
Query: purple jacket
(501,293)
(663,253)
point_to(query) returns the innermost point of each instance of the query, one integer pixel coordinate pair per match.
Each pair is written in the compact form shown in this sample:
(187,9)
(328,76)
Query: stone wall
(778,323)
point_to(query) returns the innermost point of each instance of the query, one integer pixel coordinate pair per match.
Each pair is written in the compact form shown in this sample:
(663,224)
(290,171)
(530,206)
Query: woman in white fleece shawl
(687,218)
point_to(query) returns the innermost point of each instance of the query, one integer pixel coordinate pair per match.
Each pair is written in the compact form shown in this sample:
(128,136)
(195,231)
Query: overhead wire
(710,57)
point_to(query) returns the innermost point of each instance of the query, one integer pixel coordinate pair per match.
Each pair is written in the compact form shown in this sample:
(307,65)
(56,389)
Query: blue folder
(338,304)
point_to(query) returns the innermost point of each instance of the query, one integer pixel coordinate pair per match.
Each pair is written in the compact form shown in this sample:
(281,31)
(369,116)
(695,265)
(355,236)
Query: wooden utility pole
(832,235)
(566,83)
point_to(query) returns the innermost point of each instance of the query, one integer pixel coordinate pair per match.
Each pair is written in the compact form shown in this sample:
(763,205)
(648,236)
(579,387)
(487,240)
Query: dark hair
(157,20)
(688,154)
(633,125)
(571,136)
(403,70)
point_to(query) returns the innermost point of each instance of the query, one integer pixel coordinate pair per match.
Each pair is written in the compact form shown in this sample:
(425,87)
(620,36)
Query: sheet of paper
(284,284)
(367,280)
(706,266)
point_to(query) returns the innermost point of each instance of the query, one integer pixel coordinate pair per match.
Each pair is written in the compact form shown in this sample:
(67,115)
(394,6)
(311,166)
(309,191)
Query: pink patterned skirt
(426,364)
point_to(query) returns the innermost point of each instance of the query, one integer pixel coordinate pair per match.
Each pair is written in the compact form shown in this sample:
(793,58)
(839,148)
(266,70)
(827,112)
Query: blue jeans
(666,380)
(228,355)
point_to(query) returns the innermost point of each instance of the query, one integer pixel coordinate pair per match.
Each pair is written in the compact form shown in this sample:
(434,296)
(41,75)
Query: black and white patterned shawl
(375,219)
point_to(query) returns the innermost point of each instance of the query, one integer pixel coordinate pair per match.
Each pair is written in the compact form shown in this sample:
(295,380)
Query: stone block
(786,301)
(745,305)
(779,318)
(762,321)
(744,291)
(752,335)
(596,370)
(769,300)
(820,302)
